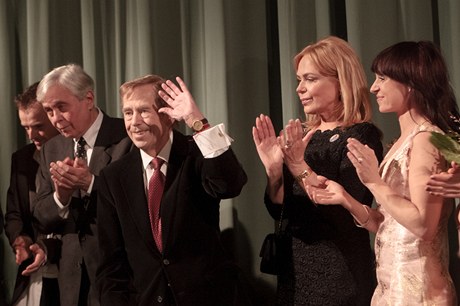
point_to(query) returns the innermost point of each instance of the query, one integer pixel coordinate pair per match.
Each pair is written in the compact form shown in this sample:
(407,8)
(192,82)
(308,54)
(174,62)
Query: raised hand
(182,106)
(263,134)
(364,160)
(293,144)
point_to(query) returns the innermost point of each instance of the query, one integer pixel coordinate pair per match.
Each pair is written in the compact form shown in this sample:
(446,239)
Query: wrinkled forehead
(144,92)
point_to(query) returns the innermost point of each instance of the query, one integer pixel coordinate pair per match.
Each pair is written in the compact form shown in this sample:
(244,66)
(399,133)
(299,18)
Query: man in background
(35,284)
(68,181)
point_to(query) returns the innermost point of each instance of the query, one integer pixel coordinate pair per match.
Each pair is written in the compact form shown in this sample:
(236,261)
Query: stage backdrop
(235,55)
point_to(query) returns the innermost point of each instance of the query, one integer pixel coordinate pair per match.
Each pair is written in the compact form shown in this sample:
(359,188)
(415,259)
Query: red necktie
(156,186)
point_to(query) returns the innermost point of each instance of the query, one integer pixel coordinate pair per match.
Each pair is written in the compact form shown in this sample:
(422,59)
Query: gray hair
(71,76)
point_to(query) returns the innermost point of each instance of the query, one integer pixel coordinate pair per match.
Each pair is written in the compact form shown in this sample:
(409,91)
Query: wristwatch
(200,125)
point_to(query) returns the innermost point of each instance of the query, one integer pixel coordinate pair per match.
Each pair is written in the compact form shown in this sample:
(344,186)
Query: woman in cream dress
(410,223)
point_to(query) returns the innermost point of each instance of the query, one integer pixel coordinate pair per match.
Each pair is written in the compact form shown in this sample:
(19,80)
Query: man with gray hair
(68,179)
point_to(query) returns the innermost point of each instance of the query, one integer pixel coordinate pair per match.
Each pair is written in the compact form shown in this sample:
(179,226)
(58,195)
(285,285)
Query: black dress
(332,261)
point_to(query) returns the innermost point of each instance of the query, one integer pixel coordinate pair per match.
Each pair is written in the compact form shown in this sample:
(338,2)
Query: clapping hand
(364,160)
(446,184)
(263,134)
(69,175)
(293,144)
(327,192)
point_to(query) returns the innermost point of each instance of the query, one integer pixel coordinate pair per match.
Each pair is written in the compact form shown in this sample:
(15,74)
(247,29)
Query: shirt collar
(91,134)
(163,154)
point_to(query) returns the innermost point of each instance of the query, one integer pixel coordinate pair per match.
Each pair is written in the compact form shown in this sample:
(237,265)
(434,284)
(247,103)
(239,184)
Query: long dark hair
(421,66)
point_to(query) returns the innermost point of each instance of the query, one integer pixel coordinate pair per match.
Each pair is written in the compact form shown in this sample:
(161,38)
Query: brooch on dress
(334,137)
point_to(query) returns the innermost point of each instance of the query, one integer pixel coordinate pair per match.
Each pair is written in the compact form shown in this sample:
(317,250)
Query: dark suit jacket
(19,219)
(194,268)
(79,241)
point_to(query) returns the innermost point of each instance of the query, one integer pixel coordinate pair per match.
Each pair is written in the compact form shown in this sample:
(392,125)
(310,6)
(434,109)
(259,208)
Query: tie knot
(156,163)
(80,151)
(81,141)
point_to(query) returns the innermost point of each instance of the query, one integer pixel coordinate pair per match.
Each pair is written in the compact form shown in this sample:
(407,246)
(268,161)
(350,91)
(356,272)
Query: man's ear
(90,99)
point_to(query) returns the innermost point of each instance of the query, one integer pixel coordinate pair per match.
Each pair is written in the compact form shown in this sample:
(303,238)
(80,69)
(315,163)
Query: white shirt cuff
(213,142)
(63,209)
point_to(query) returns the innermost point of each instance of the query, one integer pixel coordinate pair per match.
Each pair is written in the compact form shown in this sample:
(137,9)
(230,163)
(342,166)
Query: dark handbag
(275,250)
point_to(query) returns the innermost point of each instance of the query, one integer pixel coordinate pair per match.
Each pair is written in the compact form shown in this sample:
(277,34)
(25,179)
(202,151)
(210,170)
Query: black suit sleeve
(222,176)
(46,211)
(18,217)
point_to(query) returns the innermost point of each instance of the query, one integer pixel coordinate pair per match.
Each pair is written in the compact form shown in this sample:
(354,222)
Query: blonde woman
(332,262)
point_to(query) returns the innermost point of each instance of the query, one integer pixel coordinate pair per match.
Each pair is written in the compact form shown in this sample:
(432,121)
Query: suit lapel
(100,158)
(111,132)
(132,182)
(63,149)
(179,151)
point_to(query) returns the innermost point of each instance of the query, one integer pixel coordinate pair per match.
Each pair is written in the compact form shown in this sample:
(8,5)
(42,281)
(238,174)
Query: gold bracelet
(305,173)
(359,224)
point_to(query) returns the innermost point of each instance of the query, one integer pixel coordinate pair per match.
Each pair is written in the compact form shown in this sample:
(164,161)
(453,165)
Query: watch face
(197,125)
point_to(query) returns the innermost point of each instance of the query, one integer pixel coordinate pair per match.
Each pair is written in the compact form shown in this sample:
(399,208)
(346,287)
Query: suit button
(165,262)
(159,299)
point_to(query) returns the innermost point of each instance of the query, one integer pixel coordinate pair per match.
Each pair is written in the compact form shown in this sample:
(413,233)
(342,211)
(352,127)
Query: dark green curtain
(235,55)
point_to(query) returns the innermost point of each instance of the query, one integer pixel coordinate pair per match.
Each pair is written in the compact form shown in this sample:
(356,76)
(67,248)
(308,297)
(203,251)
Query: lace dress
(410,271)
(332,261)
